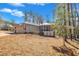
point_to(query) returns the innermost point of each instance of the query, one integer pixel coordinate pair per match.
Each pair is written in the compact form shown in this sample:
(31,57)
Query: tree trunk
(65,35)
(69,16)
(74,18)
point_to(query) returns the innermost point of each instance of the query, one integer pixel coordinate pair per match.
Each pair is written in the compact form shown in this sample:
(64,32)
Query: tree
(61,22)
(76,29)
(65,24)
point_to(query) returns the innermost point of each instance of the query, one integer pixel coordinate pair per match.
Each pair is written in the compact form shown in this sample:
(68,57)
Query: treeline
(66,24)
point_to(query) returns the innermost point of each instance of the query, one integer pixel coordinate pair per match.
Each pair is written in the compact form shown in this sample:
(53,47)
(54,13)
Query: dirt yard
(33,45)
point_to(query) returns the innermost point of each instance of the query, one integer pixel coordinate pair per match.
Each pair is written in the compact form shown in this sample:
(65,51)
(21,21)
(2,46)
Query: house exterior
(34,24)
(18,28)
(30,27)
(4,25)
(41,29)
(46,29)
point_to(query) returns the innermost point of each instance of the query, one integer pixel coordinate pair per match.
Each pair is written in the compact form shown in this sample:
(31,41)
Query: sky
(14,11)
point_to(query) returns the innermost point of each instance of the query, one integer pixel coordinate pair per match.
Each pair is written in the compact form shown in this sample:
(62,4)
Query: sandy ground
(29,45)
(4,33)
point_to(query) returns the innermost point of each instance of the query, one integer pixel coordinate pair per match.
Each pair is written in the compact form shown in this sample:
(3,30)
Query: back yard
(31,44)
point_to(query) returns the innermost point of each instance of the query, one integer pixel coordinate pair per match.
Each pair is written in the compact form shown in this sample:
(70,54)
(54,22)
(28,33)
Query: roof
(38,24)
(31,23)
(46,24)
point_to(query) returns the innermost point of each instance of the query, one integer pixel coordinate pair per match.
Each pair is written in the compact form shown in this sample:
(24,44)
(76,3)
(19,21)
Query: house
(46,29)
(32,28)
(34,24)
(18,28)
(4,25)
(41,29)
